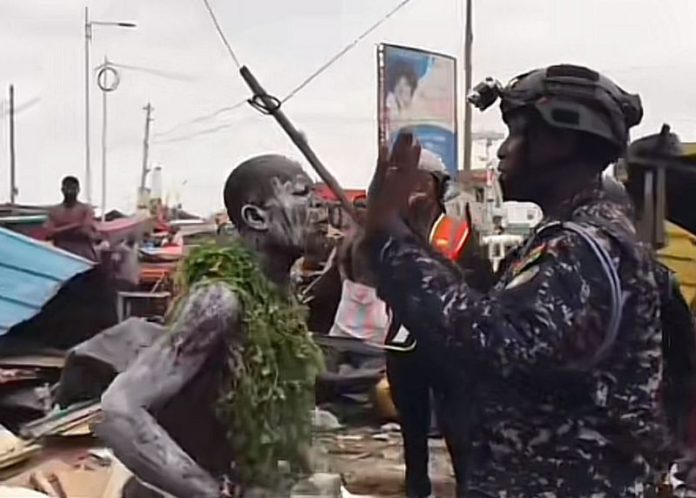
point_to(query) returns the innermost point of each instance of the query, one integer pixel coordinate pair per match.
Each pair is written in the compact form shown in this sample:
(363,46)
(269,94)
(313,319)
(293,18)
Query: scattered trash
(103,454)
(391,427)
(15,492)
(14,450)
(61,422)
(324,420)
(322,485)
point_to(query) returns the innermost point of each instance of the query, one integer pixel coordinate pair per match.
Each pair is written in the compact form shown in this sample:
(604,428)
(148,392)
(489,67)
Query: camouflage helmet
(568,97)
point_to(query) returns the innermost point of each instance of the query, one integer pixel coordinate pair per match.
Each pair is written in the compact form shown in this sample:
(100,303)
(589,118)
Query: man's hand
(392,182)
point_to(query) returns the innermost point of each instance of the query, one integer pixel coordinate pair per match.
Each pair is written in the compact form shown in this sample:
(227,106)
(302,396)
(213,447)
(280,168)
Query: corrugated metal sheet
(680,256)
(31,272)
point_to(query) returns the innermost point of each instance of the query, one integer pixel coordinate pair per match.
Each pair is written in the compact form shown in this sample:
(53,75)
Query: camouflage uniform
(555,422)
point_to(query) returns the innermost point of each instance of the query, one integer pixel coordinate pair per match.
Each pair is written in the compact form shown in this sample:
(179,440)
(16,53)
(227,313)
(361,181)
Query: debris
(349,437)
(14,492)
(391,427)
(55,361)
(380,436)
(323,485)
(41,483)
(61,422)
(118,476)
(102,454)
(82,482)
(324,420)
(13,450)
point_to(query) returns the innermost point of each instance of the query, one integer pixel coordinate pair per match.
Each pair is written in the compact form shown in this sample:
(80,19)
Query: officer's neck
(559,197)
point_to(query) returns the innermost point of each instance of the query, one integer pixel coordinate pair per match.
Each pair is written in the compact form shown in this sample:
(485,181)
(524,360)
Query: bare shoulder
(209,317)
(55,211)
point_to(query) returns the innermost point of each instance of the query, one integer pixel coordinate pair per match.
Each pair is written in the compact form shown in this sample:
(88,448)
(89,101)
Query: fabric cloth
(360,314)
(553,424)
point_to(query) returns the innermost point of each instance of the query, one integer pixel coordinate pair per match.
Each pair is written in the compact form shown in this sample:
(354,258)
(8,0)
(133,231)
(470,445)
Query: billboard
(418,91)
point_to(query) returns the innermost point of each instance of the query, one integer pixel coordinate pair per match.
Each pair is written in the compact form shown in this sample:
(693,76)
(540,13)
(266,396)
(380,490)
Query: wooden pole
(272,106)
(146,146)
(13,183)
(468,42)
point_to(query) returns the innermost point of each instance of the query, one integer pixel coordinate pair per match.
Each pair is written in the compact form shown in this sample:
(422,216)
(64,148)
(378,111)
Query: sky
(645,45)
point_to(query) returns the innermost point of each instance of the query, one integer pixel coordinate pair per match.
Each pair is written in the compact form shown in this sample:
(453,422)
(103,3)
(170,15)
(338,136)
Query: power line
(222,34)
(292,93)
(345,50)
(203,118)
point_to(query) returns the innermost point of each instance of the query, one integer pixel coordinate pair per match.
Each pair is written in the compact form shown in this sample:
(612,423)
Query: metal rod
(468,42)
(13,185)
(103,138)
(273,108)
(88,166)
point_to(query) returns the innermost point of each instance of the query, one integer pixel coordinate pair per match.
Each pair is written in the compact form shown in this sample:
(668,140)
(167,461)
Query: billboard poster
(418,92)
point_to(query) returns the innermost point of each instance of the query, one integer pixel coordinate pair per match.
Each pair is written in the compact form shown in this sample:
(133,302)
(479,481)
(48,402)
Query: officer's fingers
(380,172)
(382,162)
(400,151)
(413,158)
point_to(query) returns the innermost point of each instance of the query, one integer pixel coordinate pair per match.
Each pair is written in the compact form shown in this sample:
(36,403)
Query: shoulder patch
(531,258)
(523,277)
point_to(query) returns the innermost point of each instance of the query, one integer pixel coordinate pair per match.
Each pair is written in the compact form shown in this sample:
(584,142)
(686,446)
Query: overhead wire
(345,50)
(221,34)
(297,89)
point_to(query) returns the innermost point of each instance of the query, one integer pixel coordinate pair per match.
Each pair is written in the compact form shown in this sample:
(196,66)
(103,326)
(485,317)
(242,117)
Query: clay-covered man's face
(282,218)
(288,210)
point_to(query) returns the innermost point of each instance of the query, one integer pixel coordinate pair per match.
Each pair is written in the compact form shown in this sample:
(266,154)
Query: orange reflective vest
(449,236)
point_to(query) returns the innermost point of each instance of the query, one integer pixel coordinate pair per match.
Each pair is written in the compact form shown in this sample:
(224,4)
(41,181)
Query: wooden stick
(272,106)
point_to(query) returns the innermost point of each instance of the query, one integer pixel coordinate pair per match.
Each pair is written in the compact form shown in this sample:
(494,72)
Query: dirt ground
(371,461)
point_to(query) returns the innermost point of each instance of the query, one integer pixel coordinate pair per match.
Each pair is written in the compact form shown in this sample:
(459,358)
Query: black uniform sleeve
(553,312)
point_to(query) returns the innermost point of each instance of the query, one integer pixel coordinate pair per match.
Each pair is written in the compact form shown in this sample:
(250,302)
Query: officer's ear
(255,217)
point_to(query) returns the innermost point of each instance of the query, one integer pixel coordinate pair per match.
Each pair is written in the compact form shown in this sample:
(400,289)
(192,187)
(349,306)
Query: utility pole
(88,165)
(468,42)
(89,24)
(103,151)
(13,187)
(146,146)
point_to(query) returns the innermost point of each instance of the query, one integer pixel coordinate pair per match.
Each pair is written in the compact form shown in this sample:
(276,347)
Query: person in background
(566,348)
(360,314)
(421,390)
(70,225)
(126,264)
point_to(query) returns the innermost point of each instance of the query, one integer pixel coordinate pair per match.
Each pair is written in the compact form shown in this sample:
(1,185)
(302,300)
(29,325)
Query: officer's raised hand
(392,182)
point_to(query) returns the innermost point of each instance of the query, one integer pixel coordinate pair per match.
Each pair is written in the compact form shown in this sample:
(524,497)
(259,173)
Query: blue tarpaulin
(31,272)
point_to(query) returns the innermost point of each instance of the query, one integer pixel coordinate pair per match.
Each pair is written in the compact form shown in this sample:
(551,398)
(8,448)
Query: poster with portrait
(418,91)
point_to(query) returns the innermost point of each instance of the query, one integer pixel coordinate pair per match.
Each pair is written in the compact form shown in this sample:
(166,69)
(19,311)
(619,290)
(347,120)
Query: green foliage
(269,396)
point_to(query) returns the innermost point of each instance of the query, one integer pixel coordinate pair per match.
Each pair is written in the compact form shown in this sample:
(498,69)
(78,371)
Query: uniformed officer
(566,347)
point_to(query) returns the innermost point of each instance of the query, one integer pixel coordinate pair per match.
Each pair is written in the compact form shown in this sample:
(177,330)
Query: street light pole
(468,42)
(13,181)
(103,151)
(89,24)
(88,167)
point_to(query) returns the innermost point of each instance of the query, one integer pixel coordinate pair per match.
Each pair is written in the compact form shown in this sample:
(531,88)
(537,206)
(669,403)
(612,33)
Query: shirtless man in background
(70,224)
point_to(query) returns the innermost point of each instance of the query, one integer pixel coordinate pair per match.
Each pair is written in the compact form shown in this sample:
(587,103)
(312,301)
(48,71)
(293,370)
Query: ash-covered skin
(549,431)
(159,415)
(288,213)
(129,428)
